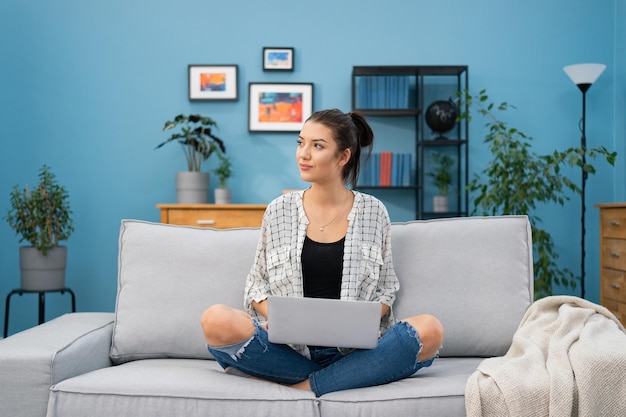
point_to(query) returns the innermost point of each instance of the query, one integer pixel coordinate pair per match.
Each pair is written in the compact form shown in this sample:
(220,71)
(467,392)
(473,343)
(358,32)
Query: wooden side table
(42,304)
(613,258)
(217,216)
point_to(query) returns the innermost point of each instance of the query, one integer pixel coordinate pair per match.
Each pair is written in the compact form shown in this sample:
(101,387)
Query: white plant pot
(42,273)
(223,196)
(440,204)
(192,187)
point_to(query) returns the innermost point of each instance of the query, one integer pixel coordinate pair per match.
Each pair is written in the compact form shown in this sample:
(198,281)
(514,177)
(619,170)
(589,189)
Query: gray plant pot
(42,273)
(192,187)
(223,196)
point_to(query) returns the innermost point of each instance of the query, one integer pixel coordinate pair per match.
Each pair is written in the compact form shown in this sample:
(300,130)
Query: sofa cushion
(434,391)
(175,387)
(167,276)
(475,274)
(186,387)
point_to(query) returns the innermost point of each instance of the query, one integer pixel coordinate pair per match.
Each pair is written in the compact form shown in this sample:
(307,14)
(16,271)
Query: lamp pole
(583,75)
(583,146)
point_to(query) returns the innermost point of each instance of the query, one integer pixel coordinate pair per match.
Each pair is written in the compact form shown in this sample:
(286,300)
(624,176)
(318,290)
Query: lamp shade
(584,74)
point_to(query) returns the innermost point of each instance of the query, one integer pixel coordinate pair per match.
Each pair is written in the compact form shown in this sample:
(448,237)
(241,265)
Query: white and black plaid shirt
(368,272)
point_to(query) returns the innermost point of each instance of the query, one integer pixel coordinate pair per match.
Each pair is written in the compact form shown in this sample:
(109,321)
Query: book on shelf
(382,91)
(386,169)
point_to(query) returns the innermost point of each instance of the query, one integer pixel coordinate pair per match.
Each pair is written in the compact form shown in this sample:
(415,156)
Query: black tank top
(322,268)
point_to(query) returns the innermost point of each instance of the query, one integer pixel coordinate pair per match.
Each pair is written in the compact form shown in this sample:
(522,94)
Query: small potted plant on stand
(42,217)
(442,180)
(198,143)
(224,172)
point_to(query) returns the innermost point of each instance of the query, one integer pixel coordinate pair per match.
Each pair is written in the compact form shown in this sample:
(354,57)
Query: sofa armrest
(35,359)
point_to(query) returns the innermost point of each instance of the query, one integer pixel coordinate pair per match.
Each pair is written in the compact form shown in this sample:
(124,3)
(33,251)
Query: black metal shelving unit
(405,92)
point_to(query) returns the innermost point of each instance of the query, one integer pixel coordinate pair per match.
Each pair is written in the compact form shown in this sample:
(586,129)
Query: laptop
(323,322)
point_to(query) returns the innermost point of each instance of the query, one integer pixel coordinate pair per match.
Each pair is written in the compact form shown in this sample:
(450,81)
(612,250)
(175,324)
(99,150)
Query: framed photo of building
(279,107)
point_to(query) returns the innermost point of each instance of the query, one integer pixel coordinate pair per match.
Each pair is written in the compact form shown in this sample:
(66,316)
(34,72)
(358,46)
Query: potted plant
(517,180)
(42,217)
(198,143)
(442,177)
(223,172)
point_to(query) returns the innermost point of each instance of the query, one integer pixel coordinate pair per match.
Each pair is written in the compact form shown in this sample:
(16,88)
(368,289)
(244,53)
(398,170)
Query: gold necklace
(337,215)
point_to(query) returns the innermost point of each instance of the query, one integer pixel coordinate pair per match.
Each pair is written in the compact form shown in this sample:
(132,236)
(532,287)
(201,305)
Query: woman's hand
(260,307)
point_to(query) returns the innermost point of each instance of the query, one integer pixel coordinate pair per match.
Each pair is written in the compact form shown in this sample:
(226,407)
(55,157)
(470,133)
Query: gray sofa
(149,358)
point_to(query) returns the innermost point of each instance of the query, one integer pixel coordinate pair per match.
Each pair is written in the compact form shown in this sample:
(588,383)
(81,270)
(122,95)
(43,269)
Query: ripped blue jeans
(327,370)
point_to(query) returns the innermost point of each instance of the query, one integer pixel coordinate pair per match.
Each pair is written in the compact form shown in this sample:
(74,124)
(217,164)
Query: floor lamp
(583,75)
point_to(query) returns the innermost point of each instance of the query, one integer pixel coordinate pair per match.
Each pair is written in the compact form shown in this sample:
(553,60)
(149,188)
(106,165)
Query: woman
(326,241)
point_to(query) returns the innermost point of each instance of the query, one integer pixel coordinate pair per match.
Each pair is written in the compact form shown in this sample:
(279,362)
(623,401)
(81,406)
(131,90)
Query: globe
(441,116)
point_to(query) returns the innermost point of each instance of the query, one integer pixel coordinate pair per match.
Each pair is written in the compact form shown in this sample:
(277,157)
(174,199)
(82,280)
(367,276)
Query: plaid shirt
(368,272)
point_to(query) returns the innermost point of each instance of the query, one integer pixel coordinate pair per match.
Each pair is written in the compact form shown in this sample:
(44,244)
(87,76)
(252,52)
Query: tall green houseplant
(42,217)
(517,180)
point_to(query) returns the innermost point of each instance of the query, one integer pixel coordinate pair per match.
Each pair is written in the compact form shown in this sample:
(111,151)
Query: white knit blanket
(568,358)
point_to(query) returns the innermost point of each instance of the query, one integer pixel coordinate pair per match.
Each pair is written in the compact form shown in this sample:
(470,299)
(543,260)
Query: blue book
(376,166)
(406,169)
(395,179)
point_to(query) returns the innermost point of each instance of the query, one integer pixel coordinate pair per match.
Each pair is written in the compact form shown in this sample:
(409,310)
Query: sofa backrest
(475,274)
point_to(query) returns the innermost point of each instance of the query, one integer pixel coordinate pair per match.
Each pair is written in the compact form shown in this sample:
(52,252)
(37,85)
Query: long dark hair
(350,131)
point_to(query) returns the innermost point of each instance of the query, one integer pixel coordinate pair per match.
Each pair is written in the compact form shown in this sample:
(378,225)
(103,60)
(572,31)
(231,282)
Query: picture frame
(278,59)
(279,107)
(213,82)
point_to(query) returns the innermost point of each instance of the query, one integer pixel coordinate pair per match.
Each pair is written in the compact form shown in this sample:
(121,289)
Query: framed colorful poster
(279,107)
(213,82)
(278,59)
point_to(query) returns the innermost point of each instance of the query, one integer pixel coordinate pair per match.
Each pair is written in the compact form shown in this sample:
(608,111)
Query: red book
(385,169)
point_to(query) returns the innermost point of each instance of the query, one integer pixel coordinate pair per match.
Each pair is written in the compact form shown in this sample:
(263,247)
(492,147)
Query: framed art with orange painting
(213,82)
(279,107)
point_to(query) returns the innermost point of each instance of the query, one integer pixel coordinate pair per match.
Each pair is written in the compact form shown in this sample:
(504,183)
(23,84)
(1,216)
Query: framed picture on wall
(279,107)
(213,82)
(278,59)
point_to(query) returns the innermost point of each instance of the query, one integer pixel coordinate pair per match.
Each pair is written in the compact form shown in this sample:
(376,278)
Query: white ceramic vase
(440,204)
(223,196)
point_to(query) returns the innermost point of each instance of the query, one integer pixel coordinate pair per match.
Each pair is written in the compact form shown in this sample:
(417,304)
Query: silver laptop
(323,322)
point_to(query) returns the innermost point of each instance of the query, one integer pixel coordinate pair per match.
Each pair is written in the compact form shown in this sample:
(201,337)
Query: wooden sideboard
(217,216)
(613,258)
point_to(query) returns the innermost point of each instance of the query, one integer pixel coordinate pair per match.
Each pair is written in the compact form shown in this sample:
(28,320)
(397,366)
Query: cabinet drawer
(617,308)
(219,219)
(614,254)
(613,222)
(613,284)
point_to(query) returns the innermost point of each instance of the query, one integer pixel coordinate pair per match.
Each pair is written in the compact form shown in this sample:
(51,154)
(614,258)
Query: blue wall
(85,87)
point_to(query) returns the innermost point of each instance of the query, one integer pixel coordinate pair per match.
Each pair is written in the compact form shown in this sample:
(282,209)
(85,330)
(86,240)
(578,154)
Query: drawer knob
(615,254)
(615,286)
(614,223)
(206,222)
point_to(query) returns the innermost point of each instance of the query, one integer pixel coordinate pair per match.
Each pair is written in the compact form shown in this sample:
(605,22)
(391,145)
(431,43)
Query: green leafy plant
(224,170)
(195,137)
(442,175)
(517,180)
(41,216)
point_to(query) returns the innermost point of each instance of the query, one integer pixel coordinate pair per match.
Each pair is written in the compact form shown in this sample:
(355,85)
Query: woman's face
(317,154)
